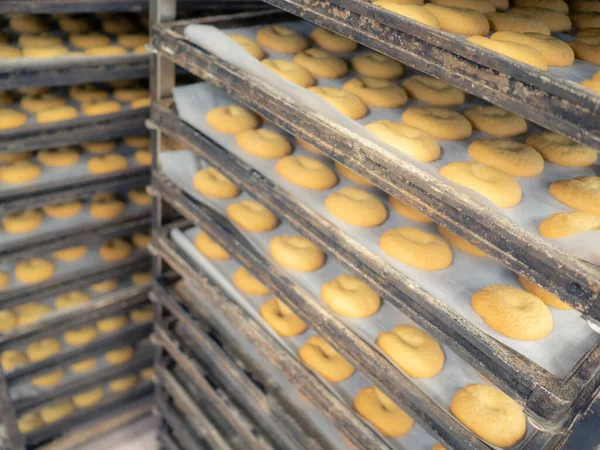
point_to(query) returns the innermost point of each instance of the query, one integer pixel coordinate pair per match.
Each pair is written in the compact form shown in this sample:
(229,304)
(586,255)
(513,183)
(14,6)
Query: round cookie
(41,102)
(99,108)
(8,321)
(331,41)
(27,23)
(88,40)
(350,297)
(356,207)
(467,22)
(141,103)
(514,158)
(38,40)
(71,299)
(117,24)
(143,157)
(145,314)
(553,5)
(88,398)
(147,373)
(281,39)
(351,175)
(439,122)
(83,366)
(410,140)
(70,254)
(139,197)
(246,283)
(562,151)
(281,318)
(496,121)
(106,206)
(584,21)
(382,413)
(123,384)
(232,119)
(31,312)
(306,172)
(462,244)
(80,336)
(317,354)
(252,216)
(416,248)
(119,355)
(498,187)
(140,278)
(63,210)
(33,90)
(433,91)
(513,312)
(413,12)
(9,158)
(88,92)
(29,422)
(264,143)
(22,222)
(248,45)
(408,211)
(140,141)
(115,250)
(57,114)
(9,51)
(557,53)
(11,118)
(583,6)
(109,50)
(130,93)
(56,411)
(141,239)
(414,351)
(321,64)
(580,193)
(519,22)
(40,350)
(296,253)
(111,162)
(562,225)
(4,280)
(209,248)
(111,324)
(556,21)
(376,65)
(545,296)
(74,24)
(19,172)
(490,414)
(586,51)
(34,270)
(345,102)
(519,52)
(376,92)
(49,379)
(12,359)
(99,146)
(482,6)
(290,71)
(104,286)
(132,40)
(209,181)
(58,157)
(593,85)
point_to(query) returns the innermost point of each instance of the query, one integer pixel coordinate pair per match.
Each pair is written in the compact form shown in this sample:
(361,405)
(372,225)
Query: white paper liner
(537,203)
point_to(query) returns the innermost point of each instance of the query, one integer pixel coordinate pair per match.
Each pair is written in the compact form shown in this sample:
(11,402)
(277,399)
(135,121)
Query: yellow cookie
(496,121)
(117,24)
(413,12)
(482,6)
(40,102)
(19,172)
(586,51)
(556,21)
(413,350)
(9,51)
(232,119)
(579,193)
(9,158)
(439,122)
(147,373)
(63,210)
(290,71)
(417,248)
(22,222)
(58,157)
(104,286)
(350,297)
(351,175)
(56,411)
(83,366)
(460,243)
(88,398)
(141,141)
(562,225)
(99,146)
(562,151)
(281,318)
(141,239)
(557,53)
(141,103)
(545,296)
(498,187)
(119,355)
(519,52)
(145,314)
(139,197)
(115,250)
(210,248)
(317,354)
(31,313)
(123,384)
(45,52)
(345,102)
(8,321)
(109,50)
(252,216)
(321,64)
(296,253)
(70,254)
(382,413)
(4,280)
(209,181)
(264,143)
(248,45)
(57,114)
(553,5)
(356,207)
(74,24)
(432,91)
(71,299)
(584,21)
(106,206)
(412,141)
(408,211)
(139,278)
(514,158)
(111,162)
(331,41)
(99,108)
(130,93)
(143,157)
(513,312)
(111,324)
(132,40)
(34,270)
(27,23)
(463,21)
(306,172)
(376,65)
(80,336)
(281,39)
(40,350)
(12,359)
(377,92)
(29,422)
(246,283)
(516,21)
(88,92)
(11,118)
(582,6)
(88,40)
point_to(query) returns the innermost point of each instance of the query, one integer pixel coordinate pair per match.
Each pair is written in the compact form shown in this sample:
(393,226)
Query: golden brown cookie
(513,312)
(584,21)
(140,141)
(376,65)
(109,50)
(57,114)
(209,181)
(63,210)
(139,278)
(83,366)
(248,45)
(586,51)
(490,414)
(106,206)
(246,283)
(104,286)
(514,158)
(264,143)
(27,23)
(553,5)
(111,324)
(410,140)
(143,157)
(11,118)
(209,248)
(58,157)
(377,92)
(115,250)
(29,422)
(317,354)
(141,239)
(482,6)
(40,350)
(56,411)
(408,211)
(350,297)
(34,270)
(413,12)
(8,320)
(413,350)
(12,359)
(108,163)
(290,71)
(4,280)
(74,24)
(22,222)
(562,151)
(519,52)
(433,91)
(562,225)
(463,21)
(45,52)
(309,173)
(356,207)
(321,64)
(29,313)
(345,102)
(439,122)
(132,40)
(281,318)
(554,20)
(593,85)
(382,413)
(89,40)
(88,92)
(460,243)
(9,51)
(19,172)
(130,93)
(70,254)
(545,296)
(281,39)
(41,102)
(100,107)
(496,121)
(252,216)
(331,41)
(117,24)
(71,299)
(147,373)
(515,21)
(351,175)
(498,187)
(8,158)
(123,384)
(145,314)
(99,146)
(88,398)
(296,253)
(139,197)
(119,355)
(232,119)
(416,248)
(80,336)
(583,6)
(579,193)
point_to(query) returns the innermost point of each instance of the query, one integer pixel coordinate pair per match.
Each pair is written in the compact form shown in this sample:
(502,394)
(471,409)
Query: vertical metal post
(9,420)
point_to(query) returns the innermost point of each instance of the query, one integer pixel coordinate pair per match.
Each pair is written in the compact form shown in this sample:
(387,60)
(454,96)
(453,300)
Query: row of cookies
(38,269)
(104,206)
(35,36)
(61,409)
(30,313)
(44,105)
(349,297)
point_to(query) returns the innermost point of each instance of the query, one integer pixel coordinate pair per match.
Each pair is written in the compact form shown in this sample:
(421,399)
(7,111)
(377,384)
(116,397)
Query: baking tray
(576,282)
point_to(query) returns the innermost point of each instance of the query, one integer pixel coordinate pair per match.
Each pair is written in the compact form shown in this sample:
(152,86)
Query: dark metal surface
(573,280)
(180,430)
